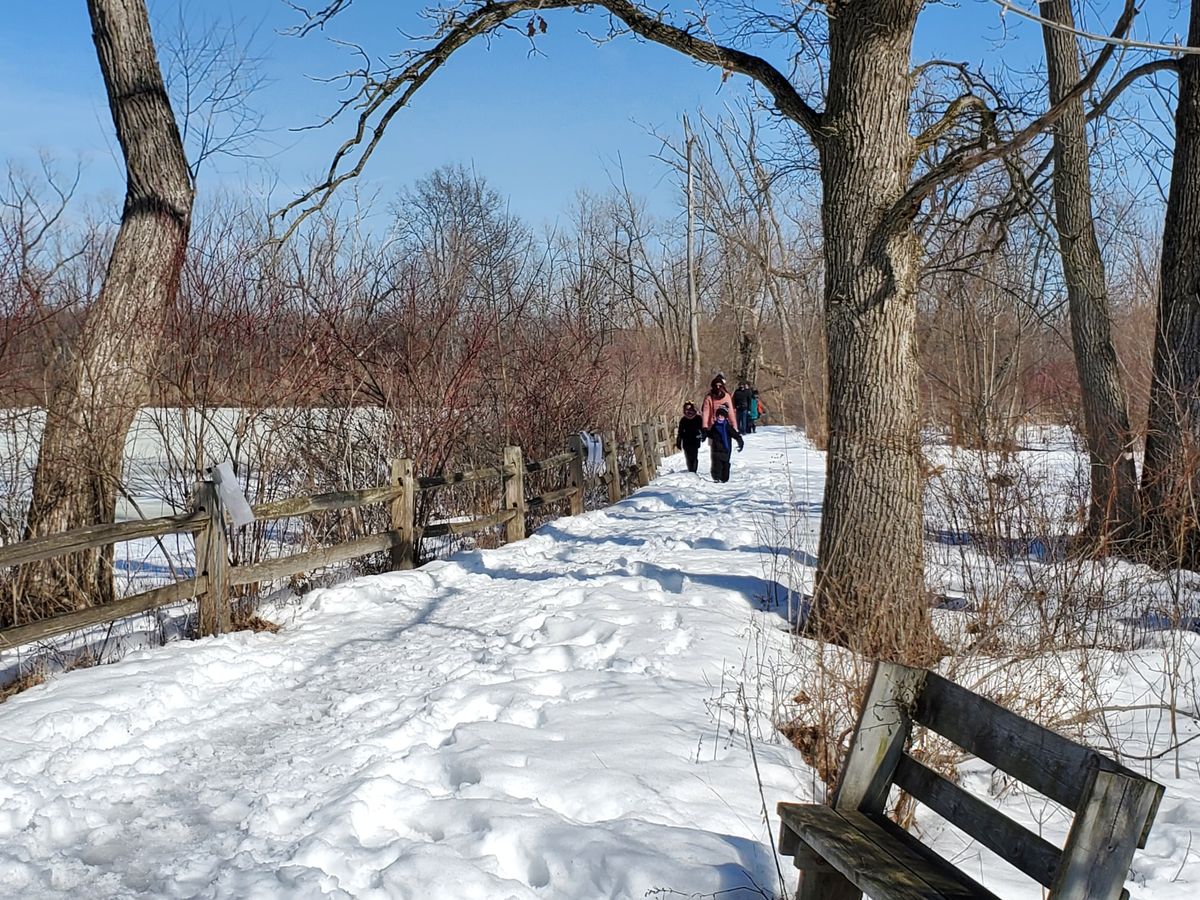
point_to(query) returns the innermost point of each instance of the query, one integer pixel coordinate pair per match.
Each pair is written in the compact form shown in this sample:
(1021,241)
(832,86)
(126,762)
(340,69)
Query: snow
(540,720)
(585,713)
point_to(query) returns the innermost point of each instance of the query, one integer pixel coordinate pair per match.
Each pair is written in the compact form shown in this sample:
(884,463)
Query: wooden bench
(851,847)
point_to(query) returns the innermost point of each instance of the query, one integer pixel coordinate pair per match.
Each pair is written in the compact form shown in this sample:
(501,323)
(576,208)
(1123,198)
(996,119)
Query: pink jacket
(708,410)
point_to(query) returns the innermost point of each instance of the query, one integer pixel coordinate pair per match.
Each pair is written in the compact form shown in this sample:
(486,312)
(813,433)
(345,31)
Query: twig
(1111,40)
(761,795)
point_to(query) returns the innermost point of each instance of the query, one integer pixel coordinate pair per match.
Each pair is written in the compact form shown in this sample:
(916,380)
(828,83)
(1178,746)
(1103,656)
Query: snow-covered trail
(555,718)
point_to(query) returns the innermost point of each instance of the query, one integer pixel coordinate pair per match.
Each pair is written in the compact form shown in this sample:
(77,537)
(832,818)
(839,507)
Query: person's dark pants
(753,424)
(720,463)
(744,421)
(691,452)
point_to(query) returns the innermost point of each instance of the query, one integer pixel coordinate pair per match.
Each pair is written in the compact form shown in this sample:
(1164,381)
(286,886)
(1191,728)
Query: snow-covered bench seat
(851,847)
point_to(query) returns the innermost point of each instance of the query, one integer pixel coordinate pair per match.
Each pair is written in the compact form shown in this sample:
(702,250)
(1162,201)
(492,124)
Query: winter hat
(721,413)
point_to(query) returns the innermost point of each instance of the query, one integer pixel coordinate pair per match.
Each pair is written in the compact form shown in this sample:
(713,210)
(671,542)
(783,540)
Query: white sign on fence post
(231,494)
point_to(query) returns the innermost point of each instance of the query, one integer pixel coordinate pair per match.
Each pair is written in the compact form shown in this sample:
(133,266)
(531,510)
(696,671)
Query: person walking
(716,398)
(690,436)
(756,410)
(741,403)
(721,438)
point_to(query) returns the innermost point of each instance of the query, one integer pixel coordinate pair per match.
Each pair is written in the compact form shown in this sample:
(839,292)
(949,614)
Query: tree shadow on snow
(802,557)
(760,593)
(1042,548)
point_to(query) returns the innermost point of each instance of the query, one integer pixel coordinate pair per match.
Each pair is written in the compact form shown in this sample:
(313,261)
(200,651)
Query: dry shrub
(819,719)
(244,619)
(1006,551)
(22,683)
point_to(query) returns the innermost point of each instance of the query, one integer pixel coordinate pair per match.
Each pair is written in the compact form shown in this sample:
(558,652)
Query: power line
(1008,6)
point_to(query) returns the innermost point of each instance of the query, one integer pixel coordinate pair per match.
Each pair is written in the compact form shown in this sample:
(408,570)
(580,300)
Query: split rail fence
(214,579)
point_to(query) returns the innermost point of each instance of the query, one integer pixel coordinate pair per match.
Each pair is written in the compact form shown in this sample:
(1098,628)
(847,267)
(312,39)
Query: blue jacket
(722,434)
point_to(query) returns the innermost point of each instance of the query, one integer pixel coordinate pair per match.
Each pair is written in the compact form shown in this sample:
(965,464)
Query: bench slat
(884,866)
(1049,763)
(941,874)
(879,738)
(1104,836)
(1029,852)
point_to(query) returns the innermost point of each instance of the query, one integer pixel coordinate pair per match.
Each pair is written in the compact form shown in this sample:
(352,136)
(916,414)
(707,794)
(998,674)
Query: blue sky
(539,128)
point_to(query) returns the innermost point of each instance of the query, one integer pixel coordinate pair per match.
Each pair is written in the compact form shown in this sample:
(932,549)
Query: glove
(741,445)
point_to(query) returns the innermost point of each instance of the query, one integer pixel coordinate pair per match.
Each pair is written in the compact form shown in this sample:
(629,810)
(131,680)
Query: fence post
(575,445)
(514,493)
(635,438)
(612,466)
(212,560)
(404,514)
(642,455)
(651,441)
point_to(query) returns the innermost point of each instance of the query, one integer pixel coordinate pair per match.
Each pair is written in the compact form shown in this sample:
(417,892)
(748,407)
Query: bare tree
(1171,473)
(693,296)
(1113,508)
(875,175)
(212,74)
(34,265)
(650,280)
(105,377)
(758,256)
(983,306)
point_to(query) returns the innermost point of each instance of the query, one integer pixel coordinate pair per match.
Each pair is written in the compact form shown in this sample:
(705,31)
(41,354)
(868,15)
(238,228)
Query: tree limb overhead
(379,99)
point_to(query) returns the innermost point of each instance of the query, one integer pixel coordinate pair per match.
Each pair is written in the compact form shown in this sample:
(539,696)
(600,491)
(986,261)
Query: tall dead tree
(105,378)
(1171,472)
(870,570)
(693,298)
(1113,507)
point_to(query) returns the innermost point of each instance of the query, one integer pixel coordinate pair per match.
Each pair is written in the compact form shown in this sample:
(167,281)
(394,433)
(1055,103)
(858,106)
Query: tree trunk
(693,354)
(870,591)
(106,379)
(1113,508)
(748,346)
(1171,472)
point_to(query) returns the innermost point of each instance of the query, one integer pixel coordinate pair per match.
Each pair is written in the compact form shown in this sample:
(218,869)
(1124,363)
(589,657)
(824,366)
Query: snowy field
(164,450)
(167,446)
(583,714)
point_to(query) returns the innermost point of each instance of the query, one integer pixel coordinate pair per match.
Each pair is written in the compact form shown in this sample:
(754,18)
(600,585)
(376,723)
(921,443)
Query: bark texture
(1113,510)
(870,591)
(105,379)
(1171,473)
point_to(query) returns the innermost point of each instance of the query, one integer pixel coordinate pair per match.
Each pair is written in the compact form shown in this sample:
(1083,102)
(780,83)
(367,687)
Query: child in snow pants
(720,442)
(690,436)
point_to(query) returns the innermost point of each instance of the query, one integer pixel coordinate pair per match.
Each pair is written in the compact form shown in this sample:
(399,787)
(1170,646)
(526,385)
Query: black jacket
(741,398)
(690,433)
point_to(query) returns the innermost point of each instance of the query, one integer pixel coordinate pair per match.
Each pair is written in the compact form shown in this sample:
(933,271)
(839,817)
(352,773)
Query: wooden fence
(215,577)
